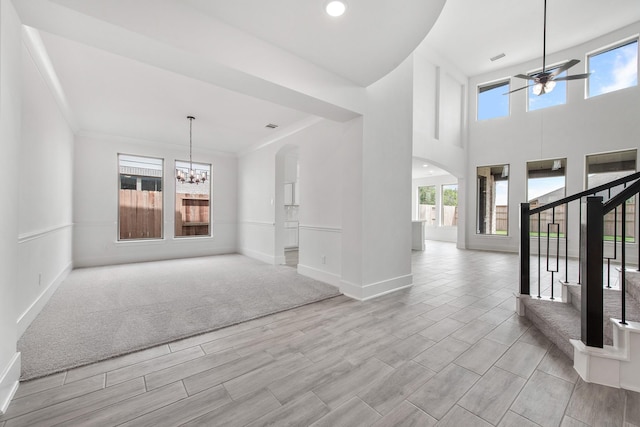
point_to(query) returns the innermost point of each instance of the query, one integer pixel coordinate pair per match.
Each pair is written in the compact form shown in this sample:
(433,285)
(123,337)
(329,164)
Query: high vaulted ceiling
(364,44)
(138,67)
(469,32)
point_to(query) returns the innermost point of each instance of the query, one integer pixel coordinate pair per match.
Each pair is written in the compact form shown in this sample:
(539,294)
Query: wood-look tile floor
(448,352)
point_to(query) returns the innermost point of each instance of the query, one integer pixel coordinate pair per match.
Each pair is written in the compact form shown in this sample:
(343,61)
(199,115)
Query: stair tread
(612,302)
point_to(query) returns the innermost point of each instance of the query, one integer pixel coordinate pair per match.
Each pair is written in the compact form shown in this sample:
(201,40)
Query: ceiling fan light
(549,86)
(537,88)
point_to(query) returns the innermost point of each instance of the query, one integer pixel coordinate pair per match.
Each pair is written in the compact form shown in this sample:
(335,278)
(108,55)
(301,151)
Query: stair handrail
(621,197)
(584,193)
(526,213)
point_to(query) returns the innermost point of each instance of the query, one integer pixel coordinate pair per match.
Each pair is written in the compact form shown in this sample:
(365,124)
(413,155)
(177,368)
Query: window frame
(609,48)
(429,222)
(442,205)
(485,87)
(635,169)
(563,160)
(119,239)
(479,200)
(209,184)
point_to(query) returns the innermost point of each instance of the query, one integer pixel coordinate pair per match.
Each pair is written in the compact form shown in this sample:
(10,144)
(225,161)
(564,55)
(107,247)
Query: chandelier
(190,176)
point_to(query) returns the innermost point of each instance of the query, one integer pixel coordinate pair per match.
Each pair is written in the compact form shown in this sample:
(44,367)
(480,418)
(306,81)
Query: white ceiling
(367,42)
(138,67)
(114,95)
(421,168)
(470,32)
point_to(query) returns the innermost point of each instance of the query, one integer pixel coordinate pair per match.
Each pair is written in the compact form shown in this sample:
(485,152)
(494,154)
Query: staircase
(559,319)
(595,325)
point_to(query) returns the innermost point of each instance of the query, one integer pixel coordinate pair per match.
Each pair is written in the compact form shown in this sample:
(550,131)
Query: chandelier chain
(191,176)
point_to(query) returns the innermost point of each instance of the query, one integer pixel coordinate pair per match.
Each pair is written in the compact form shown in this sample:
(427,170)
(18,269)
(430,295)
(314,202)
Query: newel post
(591,254)
(525,249)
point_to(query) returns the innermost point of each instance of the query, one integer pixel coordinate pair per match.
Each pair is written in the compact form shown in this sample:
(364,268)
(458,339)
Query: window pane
(193,204)
(450,205)
(427,204)
(151,184)
(128,182)
(545,184)
(492,101)
(493,200)
(558,96)
(139,197)
(613,69)
(604,168)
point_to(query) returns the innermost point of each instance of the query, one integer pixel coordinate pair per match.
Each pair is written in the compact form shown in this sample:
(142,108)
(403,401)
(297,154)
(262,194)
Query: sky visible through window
(537,187)
(502,193)
(614,69)
(492,101)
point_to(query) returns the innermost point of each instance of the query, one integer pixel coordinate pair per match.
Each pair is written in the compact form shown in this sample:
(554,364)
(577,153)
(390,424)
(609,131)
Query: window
(613,69)
(139,197)
(449,205)
(427,204)
(493,200)
(193,204)
(558,96)
(492,101)
(604,168)
(546,180)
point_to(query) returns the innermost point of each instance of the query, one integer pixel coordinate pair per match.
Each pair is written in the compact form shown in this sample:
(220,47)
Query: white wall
(45,200)
(377,201)
(260,181)
(320,212)
(440,125)
(580,127)
(96,209)
(439,112)
(434,232)
(10,112)
(258,202)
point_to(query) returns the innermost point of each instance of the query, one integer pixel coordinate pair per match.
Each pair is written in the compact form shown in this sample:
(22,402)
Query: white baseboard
(377,289)
(322,276)
(119,259)
(260,256)
(614,366)
(25,319)
(9,382)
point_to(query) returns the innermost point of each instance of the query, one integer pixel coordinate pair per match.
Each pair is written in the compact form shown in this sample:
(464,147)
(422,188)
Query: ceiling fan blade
(572,77)
(564,67)
(515,90)
(524,76)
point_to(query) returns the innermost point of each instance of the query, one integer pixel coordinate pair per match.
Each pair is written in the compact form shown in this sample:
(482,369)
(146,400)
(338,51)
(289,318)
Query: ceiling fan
(545,81)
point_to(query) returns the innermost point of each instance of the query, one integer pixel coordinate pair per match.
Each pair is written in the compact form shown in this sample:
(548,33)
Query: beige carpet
(99,313)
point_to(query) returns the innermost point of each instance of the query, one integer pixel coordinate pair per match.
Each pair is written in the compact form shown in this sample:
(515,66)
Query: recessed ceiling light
(335,8)
(425,165)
